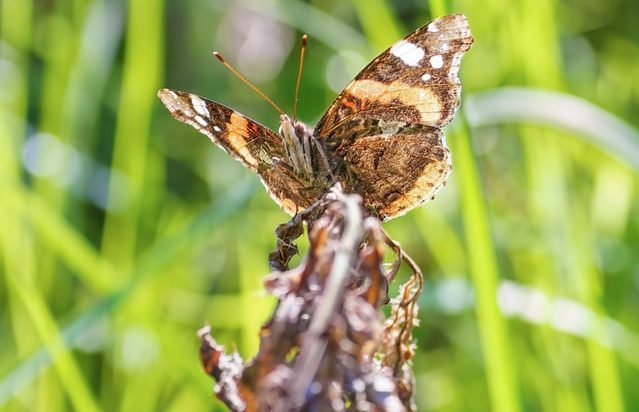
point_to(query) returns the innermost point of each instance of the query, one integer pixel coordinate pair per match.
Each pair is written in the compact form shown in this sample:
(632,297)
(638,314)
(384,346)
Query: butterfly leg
(324,159)
(280,162)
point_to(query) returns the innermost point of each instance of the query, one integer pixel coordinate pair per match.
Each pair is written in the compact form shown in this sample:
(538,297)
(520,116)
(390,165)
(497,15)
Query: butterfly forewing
(255,146)
(238,135)
(415,80)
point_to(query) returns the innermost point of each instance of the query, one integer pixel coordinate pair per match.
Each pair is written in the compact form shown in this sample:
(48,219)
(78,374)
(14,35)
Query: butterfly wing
(258,148)
(395,168)
(414,81)
(400,101)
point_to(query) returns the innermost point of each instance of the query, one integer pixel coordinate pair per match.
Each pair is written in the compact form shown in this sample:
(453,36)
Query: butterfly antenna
(247,82)
(299,74)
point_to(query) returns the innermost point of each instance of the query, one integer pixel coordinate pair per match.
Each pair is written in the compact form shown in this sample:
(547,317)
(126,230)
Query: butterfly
(380,138)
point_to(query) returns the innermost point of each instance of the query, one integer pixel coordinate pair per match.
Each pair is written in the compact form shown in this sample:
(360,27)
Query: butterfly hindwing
(394,166)
(258,148)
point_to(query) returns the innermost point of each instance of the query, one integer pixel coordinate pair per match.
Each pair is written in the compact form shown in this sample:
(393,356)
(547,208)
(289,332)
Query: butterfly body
(380,138)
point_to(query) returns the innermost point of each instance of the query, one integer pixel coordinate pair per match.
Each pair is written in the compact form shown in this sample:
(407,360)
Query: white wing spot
(454,65)
(437,61)
(200,120)
(445,46)
(200,106)
(217,129)
(456,59)
(407,52)
(433,27)
(426,77)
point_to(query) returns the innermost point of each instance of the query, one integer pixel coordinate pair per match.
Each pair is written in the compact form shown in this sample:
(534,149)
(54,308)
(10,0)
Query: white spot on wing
(432,27)
(454,66)
(457,59)
(200,120)
(437,61)
(426,77)
(200,106)
(217,129)
(407,52)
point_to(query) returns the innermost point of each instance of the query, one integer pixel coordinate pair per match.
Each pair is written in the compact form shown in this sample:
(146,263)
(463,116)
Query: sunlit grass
(142,76)
(100,301)
(482,267)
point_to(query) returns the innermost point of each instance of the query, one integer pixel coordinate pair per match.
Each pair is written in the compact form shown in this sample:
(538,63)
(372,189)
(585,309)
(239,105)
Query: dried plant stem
(314,344)
(326,346)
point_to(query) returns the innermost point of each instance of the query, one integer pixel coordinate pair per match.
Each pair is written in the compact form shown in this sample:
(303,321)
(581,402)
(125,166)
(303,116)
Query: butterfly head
(296,137)
(293,129)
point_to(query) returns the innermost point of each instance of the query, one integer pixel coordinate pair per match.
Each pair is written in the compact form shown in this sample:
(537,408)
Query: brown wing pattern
(384,127)
(415,80)
(395,167)
(382,133)
(255,146)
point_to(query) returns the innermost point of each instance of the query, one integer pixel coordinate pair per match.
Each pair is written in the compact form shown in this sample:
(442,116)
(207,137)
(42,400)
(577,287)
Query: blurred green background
(122,231)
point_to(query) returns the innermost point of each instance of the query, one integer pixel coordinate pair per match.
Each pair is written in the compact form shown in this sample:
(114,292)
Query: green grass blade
(529,105)
(309,19)
(16,30)
(380,25)
(441,239)
(150,265)
(142,74)
(28,303)
(67,368)
(497,352)
(437,8)
(603,366)
(62,239)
